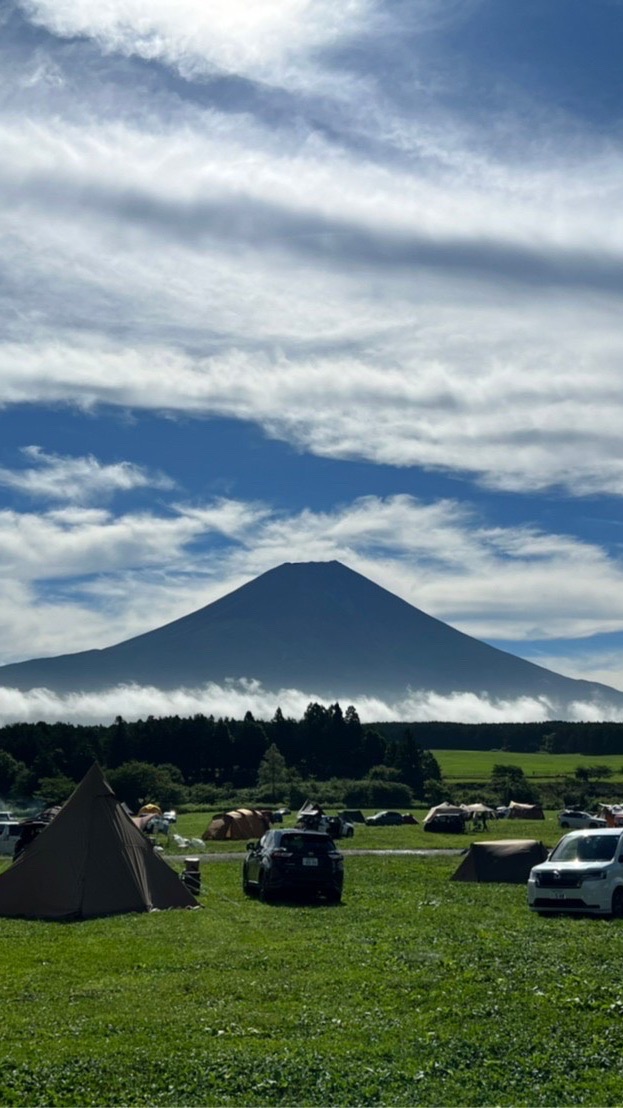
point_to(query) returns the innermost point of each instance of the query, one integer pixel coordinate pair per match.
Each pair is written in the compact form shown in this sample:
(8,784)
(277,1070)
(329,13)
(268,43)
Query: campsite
(417,989)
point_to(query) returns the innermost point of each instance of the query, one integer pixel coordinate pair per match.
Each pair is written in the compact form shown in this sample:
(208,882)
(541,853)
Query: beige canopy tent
(507,861)
(525,811)
(480,810)
(243,823)
(90,861)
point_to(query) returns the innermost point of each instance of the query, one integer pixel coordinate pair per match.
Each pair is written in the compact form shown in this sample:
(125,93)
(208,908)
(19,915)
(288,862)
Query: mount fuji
(315,626)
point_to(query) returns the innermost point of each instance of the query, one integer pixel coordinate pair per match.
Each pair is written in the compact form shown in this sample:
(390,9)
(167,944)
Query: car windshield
(297,843)
(585,848)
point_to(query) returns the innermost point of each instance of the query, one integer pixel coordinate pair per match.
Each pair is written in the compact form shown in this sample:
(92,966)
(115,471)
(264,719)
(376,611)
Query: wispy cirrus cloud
(199,36)
(442,332)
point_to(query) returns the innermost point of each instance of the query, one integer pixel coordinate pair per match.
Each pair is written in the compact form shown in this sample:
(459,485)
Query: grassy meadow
(415,991)
(407,837)
(476,765)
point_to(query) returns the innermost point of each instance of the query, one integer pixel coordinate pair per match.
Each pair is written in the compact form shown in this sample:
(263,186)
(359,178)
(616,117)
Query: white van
(584,873)
(10,831)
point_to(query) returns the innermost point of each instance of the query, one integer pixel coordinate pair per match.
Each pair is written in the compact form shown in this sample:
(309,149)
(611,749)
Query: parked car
(577,820)
(384,819)
(584,873)
(449,822)
(340,828)
(10,831)
(293,860)
(335,826)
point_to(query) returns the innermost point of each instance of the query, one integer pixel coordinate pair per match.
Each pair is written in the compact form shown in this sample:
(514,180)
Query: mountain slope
(318,627)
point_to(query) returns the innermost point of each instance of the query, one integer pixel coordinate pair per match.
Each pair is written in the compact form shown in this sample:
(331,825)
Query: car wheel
(334,896)
(617,903)
(246,887)
(565,824)
(350,833)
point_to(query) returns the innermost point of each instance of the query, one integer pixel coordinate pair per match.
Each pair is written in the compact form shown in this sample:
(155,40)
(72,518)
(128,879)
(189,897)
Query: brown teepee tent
(90,861)
(507,861)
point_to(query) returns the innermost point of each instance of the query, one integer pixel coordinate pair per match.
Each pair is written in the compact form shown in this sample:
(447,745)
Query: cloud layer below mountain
(234,700)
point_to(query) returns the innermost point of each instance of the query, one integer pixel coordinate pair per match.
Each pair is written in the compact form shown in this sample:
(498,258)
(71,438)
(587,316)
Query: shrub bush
(378,794)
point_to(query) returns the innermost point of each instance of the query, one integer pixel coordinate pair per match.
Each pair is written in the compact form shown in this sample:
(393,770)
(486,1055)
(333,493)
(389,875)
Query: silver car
(575,820)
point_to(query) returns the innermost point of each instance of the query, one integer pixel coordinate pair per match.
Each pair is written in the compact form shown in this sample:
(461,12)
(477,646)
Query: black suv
(293,861)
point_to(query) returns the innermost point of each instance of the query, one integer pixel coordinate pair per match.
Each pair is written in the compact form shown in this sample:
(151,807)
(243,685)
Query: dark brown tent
(525,811)
(243,823)
(445,809)
(505,861)
(90,861)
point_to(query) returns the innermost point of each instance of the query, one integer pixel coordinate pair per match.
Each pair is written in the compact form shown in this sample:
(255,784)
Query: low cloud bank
(238,697)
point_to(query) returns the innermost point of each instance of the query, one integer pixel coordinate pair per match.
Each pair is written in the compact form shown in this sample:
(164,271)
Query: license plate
(310,861)
(560,896)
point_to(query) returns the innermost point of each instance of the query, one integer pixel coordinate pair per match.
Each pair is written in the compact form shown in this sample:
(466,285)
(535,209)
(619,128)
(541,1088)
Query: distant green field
(477,764)
(416,991)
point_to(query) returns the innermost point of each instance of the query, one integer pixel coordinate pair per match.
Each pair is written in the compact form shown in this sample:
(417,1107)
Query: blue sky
(294,281)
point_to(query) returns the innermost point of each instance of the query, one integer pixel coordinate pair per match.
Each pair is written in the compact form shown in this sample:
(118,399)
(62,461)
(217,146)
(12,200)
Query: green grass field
(416,990)
(407,837)
(468,765)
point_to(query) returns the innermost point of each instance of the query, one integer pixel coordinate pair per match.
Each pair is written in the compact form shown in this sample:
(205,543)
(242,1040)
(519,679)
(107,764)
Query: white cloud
(213,272)
(197,36)
(65,543)
(56,477)
(235,699)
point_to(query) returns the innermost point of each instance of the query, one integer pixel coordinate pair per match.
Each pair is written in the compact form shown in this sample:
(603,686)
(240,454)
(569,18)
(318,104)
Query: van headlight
(595,875)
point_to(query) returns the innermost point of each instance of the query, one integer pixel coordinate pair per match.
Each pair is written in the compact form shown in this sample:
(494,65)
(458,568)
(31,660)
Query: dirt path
(236,856)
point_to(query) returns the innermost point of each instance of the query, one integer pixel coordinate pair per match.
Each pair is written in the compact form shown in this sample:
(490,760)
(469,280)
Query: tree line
(200,759)
(195,758)
(548,737)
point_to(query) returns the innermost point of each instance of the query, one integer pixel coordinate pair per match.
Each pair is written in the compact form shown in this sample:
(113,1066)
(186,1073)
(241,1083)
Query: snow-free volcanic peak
(312,626)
